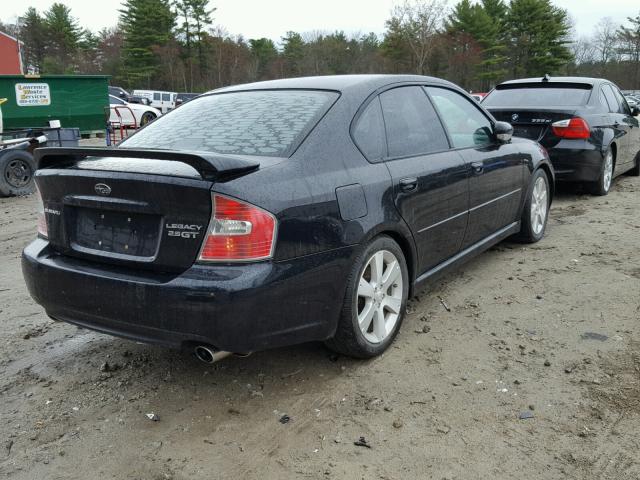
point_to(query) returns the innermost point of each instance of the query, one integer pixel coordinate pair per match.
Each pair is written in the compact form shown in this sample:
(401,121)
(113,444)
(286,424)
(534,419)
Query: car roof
(341,83)
(584,80)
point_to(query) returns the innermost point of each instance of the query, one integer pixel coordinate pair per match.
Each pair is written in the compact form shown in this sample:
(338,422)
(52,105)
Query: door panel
(620,126)
(430,180)
(436,211)
(496,171)
(495,191)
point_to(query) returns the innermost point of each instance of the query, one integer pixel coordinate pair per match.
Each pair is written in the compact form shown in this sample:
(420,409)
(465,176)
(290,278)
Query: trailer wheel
(16,173)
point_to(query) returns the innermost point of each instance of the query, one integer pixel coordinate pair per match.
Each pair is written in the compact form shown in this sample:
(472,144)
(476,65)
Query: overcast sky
(255,18)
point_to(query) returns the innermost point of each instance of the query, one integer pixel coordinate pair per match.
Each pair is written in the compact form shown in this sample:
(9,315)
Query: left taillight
(572,128)
(238,231)
(42,219)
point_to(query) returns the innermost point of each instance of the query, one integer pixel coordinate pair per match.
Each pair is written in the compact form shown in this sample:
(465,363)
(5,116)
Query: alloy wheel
(379,296)
(607,175)
(539,205)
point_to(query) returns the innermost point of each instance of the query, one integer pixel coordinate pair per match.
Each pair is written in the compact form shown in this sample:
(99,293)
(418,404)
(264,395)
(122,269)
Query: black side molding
(209,166)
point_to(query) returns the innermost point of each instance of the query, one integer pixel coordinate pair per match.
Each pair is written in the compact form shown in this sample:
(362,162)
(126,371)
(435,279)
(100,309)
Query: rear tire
(535,214)
(602,186)
(375,301)
(16,173)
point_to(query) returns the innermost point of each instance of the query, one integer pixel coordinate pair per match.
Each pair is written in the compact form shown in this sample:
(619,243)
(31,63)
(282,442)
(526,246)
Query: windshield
(259,122)
(535,95)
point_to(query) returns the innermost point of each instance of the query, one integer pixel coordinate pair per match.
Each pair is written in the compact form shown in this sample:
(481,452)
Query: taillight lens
(42,219)
(238,231)
(571,128)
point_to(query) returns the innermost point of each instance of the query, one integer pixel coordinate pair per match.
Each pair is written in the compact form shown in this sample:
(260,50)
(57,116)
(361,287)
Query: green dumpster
(77,101)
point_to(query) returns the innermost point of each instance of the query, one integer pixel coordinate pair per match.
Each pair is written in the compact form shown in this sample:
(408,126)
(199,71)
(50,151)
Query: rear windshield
(266,123)
(535,95)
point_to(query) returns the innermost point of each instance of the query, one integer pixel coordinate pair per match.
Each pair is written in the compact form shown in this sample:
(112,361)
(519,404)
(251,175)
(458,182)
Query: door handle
(477,167)
(408,184)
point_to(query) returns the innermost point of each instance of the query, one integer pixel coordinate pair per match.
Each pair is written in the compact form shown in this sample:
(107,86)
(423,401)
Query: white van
(163,101)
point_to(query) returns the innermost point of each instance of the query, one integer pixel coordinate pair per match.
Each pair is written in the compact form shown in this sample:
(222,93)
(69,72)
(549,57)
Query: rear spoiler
(210,166)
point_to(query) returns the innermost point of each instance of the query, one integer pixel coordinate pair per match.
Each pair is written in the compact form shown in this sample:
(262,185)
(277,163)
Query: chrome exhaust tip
(209,355)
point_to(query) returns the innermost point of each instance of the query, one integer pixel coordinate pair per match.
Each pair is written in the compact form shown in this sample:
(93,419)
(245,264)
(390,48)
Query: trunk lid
(144,209)
(530,123)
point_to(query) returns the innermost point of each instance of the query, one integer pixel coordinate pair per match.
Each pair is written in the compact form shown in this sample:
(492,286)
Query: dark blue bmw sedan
(281,212)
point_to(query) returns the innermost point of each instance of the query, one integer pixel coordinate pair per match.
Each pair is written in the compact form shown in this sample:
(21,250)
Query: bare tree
(584,50)
(419,21)
(605,40)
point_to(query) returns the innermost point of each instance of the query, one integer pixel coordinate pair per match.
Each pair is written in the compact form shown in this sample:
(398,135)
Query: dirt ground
(549,331)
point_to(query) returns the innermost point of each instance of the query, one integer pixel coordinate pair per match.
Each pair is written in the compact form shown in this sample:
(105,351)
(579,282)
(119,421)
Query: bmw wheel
(603,185)
(375,301)
(536,209)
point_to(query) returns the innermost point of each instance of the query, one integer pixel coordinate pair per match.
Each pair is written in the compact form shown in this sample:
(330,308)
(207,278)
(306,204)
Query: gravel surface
(533,373)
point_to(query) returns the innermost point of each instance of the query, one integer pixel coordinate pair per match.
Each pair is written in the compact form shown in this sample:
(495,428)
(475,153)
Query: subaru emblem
(102,189)
(514,117)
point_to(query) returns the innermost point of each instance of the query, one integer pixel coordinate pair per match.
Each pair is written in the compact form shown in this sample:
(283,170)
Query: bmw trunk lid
(145,209)
(530,123)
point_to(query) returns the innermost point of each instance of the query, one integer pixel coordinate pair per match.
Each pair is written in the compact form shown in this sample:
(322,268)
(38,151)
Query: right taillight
(42,219)
(573,128)
(238,231)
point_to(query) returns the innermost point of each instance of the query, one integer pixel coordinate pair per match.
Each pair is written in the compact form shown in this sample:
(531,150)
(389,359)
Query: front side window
(411,123)
(369,132)
(257,122)
(467,126)
(166,97)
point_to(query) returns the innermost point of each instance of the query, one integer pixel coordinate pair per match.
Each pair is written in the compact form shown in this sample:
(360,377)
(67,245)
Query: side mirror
(503,132)
(635,111)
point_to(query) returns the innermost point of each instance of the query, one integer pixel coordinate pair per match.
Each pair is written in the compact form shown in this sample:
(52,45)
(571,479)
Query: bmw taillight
(238,231)
(572,128)
(42,219)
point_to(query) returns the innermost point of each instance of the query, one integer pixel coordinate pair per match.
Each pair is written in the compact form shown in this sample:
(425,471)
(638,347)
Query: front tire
(535,214)
(375,301)
(146,118)
(603,184)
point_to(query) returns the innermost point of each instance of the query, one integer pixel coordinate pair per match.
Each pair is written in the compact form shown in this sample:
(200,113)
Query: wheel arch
(406,244)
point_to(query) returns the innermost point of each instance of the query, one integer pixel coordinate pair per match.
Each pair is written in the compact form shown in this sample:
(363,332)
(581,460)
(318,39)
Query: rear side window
(611,98)
(411,123)
(258,122)
(466,124)
(156,96)
(535,95)
(369,132)
(622,102)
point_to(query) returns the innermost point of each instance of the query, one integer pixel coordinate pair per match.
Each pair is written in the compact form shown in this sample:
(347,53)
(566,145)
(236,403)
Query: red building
(10,55)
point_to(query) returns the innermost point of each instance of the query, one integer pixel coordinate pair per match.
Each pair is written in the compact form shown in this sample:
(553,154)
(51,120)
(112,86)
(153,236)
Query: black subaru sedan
(281,212)
(586,125)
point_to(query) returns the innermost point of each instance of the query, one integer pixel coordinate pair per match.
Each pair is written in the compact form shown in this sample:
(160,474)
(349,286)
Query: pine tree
(476,44)
(293,51)
(63,36)
(147,26)
(629,38)
(33,36)
(539,37)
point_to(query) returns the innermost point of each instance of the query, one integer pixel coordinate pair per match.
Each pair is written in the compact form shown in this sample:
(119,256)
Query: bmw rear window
(552,94)
(256,122)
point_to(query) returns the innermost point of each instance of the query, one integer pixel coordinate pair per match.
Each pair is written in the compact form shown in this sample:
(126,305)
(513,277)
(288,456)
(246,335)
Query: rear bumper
(576,164)
(237,308)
